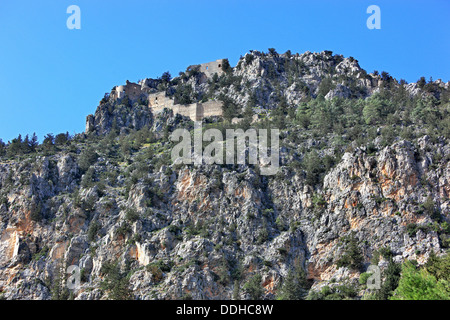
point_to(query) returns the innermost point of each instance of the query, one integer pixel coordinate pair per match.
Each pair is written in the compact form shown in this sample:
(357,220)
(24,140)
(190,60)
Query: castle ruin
(130,89)
(158,101)
(210,68)
(195,111)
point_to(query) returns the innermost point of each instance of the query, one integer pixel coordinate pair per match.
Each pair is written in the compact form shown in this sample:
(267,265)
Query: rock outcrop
(171,231)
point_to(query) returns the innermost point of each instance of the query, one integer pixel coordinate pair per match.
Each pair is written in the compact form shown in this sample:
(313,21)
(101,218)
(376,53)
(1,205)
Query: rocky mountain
(363,181)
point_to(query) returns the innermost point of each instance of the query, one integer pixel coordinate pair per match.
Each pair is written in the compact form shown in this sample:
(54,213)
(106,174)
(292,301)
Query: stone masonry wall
(211,68)
(132,90)
(196,111)
(211,108)
(158,101)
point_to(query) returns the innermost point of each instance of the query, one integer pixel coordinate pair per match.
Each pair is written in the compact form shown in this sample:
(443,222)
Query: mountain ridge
(363,181)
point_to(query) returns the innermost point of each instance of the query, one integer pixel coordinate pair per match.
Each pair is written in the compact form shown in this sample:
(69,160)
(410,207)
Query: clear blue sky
(51,77)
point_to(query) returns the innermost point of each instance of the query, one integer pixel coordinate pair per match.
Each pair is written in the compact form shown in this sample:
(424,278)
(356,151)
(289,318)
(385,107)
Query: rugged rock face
(203,218)
(182,231)
(109,116)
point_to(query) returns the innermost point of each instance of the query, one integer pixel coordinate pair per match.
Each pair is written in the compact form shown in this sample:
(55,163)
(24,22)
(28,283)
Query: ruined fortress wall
(212,67)
(195,111)
(189,110)
(158,101)
(198,111)
(132,90)
(137,90)
(211,108)
(117,92)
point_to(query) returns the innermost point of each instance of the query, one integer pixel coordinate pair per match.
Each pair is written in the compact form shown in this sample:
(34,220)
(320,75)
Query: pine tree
(421,82)
(391,278)
(313,166)
(254,287)
(418,284)
(15,146)
(226,66)
(58,289)
(166,77)
(26,145)
(49,143)
(33,142)
(294,286)
(229,110)
(2,148)
(62,138)
(87,157)
(116,283)
(371,111)
(236,289)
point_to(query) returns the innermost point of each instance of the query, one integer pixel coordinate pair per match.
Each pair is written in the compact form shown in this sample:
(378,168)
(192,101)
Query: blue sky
(51,77)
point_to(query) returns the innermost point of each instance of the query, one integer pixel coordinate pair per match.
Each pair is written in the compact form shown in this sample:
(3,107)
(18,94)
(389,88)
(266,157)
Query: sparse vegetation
(344,167)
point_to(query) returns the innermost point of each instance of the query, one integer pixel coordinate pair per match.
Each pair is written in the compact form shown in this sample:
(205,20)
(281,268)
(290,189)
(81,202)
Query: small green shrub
(254,287)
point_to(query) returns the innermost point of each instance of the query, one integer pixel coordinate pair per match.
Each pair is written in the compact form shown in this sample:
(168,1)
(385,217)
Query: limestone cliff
(110,201)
